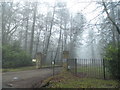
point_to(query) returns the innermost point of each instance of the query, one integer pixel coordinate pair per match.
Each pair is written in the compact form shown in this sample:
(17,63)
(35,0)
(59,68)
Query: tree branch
(12,29)
(105,8)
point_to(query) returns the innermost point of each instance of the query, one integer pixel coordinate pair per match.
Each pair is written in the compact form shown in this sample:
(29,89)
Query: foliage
(13,56)
(112,59)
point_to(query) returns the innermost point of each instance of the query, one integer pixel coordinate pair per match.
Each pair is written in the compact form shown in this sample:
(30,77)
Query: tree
(110,18)
(76,29)
(27,12)
(9,25)
(33,27)
(112,47)
(49,35)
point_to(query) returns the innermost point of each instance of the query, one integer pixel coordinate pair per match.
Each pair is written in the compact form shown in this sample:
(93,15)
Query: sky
(85,7)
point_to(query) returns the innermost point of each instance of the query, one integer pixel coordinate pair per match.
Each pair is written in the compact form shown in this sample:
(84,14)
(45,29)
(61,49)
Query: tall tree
(33,27)
(49,35)
(78,22)
(27,12)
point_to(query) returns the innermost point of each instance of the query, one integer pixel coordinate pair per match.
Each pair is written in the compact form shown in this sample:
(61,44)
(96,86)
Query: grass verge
(25,68)
(19,69)
(67,80)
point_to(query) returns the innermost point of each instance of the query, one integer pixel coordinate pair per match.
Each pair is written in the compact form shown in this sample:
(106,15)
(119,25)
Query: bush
(112,57)
(13,56)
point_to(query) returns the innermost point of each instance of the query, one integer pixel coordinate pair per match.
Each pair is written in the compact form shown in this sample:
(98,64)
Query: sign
(53,62)
(69,67)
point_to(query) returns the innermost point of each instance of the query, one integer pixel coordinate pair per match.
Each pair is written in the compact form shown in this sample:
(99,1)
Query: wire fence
(93,68)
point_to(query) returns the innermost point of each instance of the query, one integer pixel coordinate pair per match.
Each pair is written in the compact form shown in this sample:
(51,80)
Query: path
(26,79)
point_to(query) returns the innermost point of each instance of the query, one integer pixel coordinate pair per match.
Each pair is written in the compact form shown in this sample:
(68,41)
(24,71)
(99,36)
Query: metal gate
(93,68)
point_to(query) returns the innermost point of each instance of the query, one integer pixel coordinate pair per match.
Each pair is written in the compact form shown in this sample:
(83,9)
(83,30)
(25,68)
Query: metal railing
(94,68)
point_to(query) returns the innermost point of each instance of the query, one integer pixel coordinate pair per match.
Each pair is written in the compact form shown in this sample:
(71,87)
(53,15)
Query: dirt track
(26,79)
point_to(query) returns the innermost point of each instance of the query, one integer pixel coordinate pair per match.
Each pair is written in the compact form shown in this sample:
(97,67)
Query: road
(26,79)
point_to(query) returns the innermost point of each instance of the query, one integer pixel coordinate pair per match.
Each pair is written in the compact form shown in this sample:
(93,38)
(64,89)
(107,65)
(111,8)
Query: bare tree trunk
(112,21)
(65,38)
(62,47)
(33,28)
(21,30)
(38,41)
(48,39)
(58,47)
(113,27)
(46,28)
(71,44)
(26,34)
(3,24)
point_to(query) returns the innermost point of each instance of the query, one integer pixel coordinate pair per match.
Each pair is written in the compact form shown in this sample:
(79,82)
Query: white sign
(53,62)
(68,67)
(33,60)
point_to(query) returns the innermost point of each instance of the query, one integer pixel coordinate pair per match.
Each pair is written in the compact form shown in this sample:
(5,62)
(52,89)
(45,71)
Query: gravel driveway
(26,79)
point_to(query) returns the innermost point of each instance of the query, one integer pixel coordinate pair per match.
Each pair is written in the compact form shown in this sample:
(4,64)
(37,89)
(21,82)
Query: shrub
(112,57)
(13,57)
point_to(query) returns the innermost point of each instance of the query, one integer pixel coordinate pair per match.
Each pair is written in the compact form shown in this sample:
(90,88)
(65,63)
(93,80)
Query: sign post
(53,63)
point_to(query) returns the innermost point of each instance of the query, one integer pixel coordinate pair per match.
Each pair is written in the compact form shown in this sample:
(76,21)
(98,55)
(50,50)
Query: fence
(72,65)
(94,68)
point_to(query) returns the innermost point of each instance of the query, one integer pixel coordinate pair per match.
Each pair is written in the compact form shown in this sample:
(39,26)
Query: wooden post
(53,65)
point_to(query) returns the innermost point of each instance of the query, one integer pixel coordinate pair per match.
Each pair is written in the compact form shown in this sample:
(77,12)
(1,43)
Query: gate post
(75,66)
(65,59)
(38,60)
(104,69)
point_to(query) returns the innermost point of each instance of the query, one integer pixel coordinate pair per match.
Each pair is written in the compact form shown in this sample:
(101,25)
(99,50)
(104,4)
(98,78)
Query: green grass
(67,80)
(45,66)
(86,83)
(19,69)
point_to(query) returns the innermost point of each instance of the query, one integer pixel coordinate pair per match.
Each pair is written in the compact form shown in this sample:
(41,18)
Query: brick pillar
(38,60)
(65,58)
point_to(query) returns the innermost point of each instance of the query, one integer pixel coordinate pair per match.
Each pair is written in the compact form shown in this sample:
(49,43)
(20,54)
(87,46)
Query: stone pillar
(65,58)
(38,60)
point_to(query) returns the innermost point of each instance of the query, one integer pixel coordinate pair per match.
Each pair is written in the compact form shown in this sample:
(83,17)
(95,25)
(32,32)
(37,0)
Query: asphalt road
(26,79)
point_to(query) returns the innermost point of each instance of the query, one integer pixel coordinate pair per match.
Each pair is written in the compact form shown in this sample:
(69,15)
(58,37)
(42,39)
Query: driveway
(26,79)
